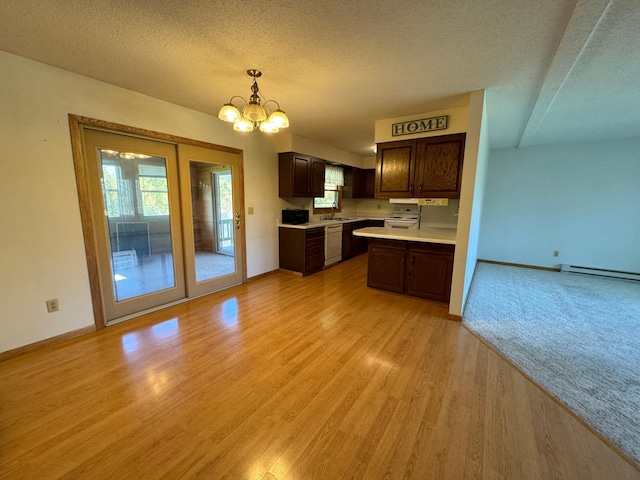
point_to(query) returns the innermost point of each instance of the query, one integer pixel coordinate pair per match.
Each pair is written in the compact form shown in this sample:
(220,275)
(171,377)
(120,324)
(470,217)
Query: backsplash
(370,207)
(381,208)
(441,216)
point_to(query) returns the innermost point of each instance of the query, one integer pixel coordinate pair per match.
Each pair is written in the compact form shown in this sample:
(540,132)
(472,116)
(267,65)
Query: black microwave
(295,216)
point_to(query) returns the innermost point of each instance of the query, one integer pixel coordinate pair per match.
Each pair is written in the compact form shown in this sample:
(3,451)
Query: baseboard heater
(599,272)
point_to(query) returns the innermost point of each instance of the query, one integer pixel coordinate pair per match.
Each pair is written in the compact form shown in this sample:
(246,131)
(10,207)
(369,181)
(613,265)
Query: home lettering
(419,126)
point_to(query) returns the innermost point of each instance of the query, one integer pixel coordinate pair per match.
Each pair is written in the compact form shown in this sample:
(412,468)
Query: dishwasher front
(332,244)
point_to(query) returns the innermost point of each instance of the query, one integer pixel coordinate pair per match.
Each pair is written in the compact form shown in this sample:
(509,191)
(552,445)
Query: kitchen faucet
(329,216)
(334,205)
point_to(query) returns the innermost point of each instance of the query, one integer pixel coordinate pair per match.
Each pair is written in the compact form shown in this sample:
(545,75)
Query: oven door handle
(400,223)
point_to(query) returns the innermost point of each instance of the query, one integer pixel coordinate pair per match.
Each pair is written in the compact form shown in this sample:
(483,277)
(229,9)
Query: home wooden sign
(420,126)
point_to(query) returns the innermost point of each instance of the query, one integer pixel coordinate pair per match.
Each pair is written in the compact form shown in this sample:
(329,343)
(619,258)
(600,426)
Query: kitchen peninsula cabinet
(422,168)
(386,269)
(301,250)
(414,268)
(300,175)
(429,271)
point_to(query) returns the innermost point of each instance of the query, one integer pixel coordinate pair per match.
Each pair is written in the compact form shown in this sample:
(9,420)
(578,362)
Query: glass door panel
(134,205)
(136,198)
(223,204)
(212,246)
(212,220)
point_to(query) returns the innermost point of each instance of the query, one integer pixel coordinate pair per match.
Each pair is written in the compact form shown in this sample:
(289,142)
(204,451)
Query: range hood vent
(433,202)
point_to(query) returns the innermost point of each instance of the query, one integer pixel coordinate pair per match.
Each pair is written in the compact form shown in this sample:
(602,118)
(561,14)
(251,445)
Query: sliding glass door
(166,220)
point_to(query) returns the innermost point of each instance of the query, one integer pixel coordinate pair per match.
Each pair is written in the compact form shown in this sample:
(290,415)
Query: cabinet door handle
(411,188)
(420,188)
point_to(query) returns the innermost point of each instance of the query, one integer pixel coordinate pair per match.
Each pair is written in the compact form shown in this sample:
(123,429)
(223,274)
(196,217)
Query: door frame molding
(77,124)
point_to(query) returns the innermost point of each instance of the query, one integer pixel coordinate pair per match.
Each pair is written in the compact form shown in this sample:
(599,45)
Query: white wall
(326,152)
(471,201)
(582,200)
(41,244)
(369,162)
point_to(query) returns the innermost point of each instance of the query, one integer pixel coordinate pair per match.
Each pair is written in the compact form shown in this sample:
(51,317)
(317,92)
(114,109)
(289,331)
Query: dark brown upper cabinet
(363,183)
(300,175)
(420,168)
(395,163)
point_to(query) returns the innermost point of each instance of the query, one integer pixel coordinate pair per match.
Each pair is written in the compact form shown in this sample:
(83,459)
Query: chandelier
(253,114)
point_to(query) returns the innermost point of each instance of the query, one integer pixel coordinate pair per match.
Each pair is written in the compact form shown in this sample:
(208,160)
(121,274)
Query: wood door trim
(146,134)
(77,123)
(243,224)
(90,247)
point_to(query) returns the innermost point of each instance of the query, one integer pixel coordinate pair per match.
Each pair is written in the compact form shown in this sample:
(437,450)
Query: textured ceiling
(554,71)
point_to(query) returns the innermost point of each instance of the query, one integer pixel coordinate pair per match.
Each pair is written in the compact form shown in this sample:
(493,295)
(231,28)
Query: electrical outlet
(53,305)
(556,253)
(250,210)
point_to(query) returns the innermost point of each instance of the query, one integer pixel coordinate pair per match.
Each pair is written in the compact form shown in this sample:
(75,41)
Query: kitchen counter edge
(445,236)
(324,223)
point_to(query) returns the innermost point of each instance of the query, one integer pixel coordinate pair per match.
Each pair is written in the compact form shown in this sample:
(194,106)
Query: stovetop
(406,212)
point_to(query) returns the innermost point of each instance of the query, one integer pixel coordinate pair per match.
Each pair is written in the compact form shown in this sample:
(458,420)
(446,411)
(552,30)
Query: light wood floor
(288,378)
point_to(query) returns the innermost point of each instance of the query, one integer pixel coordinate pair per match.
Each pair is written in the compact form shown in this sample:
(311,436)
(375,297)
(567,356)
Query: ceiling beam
(584,22)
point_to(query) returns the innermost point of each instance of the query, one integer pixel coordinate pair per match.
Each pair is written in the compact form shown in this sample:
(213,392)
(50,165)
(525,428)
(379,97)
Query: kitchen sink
(343,218)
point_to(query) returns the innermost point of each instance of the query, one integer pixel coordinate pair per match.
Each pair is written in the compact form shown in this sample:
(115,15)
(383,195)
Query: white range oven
(404,218)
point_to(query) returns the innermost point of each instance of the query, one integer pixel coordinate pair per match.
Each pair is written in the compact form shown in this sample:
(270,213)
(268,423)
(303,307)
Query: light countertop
(324,223)
(428,235)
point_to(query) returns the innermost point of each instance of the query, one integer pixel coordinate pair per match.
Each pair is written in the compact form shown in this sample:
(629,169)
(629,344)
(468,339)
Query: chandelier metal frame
(254,114)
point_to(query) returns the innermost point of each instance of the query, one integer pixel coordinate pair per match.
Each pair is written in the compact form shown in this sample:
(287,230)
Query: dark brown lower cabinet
(347,241)
(429,271)
(353,245)
(414,268)
(386,268)
(359,244)
(301,250)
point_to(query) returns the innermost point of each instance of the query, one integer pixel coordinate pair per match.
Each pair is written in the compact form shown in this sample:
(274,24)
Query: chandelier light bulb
(279,119)
(243,125)
(229,113)
(254,112)
(268,127)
